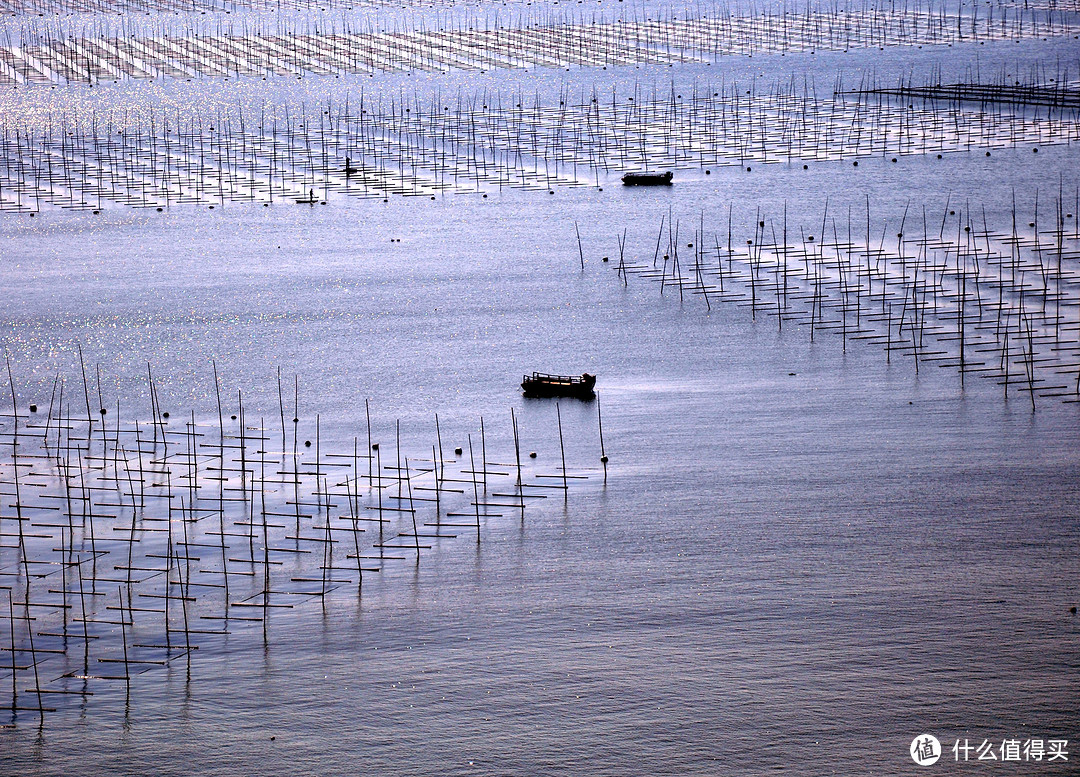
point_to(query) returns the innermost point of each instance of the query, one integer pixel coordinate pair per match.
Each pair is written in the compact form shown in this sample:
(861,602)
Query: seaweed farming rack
(54,52)
(943,289)
(128,546)
(374,146)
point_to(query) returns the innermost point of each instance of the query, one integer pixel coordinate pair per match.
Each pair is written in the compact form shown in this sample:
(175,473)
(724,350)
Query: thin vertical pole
(562,451)
(476,495)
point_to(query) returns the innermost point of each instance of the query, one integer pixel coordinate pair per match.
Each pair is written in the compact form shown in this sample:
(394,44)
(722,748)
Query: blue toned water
(791,572)
(802,555)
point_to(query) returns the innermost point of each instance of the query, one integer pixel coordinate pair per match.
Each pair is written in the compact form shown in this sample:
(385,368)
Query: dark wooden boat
(541,384)
(648,179)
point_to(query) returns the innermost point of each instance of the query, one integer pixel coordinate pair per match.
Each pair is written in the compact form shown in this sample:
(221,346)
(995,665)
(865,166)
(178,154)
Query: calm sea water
(800,557)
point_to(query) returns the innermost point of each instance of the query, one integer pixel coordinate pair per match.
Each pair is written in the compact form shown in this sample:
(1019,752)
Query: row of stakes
(999,304)
(126,546)
(113,7)
(120,7)
(55,53)
(117,7)
(375,145)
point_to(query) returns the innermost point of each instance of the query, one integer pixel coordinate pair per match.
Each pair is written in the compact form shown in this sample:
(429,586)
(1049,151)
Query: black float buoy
(457,451)
(33,408)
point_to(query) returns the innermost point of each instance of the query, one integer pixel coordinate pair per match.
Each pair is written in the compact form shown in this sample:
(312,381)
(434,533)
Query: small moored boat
(540,384)
(648,179)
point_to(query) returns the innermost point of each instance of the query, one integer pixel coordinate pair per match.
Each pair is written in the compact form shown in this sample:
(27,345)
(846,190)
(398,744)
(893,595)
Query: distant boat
(540,384)
(648,179)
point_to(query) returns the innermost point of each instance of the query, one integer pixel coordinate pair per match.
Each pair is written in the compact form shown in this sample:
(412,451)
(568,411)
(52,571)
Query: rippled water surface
(801,555)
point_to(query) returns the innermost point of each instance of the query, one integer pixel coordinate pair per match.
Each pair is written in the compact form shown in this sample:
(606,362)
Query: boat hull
(647,179)
(540,385)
